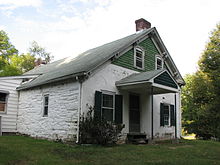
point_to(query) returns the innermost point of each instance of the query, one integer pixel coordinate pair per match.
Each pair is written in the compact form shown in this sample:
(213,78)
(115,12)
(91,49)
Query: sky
(69,27)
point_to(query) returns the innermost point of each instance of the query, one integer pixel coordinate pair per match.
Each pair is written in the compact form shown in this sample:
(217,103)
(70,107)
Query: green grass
(18,150)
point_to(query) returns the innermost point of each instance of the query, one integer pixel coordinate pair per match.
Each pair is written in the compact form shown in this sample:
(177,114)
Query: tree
(11,63)
(6,48)
(40,52)
(201,95)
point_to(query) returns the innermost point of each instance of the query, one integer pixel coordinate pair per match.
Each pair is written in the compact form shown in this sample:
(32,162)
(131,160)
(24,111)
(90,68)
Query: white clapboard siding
(9,118)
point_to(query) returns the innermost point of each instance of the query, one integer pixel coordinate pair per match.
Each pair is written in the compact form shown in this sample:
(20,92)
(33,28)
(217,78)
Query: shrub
(98,131)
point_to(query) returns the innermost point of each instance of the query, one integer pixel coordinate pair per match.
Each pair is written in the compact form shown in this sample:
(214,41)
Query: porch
(146,96)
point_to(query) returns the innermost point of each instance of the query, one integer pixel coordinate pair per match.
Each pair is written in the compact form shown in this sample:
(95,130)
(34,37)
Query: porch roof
(159,79)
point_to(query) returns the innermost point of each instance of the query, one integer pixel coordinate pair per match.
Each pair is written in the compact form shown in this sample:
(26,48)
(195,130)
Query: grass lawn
(24,150)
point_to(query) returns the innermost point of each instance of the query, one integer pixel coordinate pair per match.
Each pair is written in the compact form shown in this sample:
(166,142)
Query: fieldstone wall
(61,122)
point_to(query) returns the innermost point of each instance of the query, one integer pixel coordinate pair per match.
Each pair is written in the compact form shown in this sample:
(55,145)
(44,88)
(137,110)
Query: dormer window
(139,58)
(159,63)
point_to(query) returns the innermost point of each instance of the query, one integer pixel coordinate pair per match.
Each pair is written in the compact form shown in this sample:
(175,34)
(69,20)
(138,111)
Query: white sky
(68,27)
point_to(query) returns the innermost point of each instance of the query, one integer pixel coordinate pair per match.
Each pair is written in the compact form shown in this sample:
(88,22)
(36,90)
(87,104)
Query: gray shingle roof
(139,77)
(83,63)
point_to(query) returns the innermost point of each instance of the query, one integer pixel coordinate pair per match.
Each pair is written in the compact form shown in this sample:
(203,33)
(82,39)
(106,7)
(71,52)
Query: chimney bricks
(142,24)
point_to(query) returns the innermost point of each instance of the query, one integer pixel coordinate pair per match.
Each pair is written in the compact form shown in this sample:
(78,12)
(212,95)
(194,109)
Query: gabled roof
(83,63)
(139,77)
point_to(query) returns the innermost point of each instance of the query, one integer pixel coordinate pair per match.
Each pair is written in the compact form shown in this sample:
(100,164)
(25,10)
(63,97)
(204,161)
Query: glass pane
(3,97)
(107,114)
(45,111)
(166,110)
(139,53)
(166,119)
(107,100)
(159,63)
(139,63)
(2,107)
(46,98)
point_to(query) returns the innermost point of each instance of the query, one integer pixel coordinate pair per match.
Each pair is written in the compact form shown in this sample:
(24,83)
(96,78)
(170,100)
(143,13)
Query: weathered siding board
(165,79)
(127,59)
(9,117)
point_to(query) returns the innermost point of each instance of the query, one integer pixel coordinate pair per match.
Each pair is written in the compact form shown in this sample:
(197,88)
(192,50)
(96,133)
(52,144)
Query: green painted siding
(165,79)
(127,59)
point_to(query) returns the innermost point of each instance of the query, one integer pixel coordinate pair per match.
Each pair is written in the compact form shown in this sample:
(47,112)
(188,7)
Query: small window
(3,101)
(139,58)
(108,106)
(46,103)
(159,63)
(167,115)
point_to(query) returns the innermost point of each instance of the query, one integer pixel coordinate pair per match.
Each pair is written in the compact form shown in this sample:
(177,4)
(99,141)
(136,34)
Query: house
(132,80)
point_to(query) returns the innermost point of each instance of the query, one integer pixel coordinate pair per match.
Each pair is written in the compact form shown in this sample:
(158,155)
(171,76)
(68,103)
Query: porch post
(175,116)
(152,113)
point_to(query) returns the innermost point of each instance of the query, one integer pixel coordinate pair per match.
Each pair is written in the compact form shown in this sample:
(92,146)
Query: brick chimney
(142,24)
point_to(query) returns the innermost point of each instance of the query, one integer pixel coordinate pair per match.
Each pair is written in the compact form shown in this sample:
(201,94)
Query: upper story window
(46,105)
(3,101)
(139,58)
(159,62)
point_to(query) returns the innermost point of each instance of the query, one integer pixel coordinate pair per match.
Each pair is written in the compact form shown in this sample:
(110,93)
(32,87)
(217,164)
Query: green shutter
(172,117)
(118,109)
(98,104)
(161,115)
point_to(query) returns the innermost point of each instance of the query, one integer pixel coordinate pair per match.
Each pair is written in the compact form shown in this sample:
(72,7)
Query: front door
(134,113)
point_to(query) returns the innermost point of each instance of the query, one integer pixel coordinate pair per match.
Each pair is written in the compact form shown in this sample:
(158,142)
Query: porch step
(137,138)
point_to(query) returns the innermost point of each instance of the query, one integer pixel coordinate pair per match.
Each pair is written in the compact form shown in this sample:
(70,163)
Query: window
(108,106)
(3,101)
(46,103)
(167,115)
(138,58)
(159,63)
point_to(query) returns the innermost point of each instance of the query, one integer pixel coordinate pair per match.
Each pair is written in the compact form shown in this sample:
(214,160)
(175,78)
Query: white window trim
(45,95)
(158,57)
(143,55)
(169,120)
(109,93)
(6,102)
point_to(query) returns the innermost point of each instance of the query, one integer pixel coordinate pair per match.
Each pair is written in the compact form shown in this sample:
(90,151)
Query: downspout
(175,116)
(152,113)
(79,109)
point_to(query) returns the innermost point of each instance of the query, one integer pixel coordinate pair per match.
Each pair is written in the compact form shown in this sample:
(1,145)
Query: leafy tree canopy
(201,95)
(11,63)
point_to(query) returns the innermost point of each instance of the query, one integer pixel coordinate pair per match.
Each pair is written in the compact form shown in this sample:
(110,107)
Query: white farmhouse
(132,80)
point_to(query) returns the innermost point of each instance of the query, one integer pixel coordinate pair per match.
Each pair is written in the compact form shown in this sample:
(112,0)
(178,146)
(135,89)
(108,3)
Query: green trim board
(127,59)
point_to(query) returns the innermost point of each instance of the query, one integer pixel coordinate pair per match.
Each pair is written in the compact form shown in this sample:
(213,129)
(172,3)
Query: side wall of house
(166,131)
(61,122)
(104,79)
(9,117)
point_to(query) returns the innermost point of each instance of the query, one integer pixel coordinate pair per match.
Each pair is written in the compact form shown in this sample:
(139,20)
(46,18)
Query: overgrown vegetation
(201,95)
(18,150)
(98,131)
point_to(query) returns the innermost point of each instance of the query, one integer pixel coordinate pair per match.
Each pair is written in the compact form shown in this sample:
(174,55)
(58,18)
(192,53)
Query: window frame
(160,58)
(44,105)
(113,104)
(169,116)
(6,101)
(135,57)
